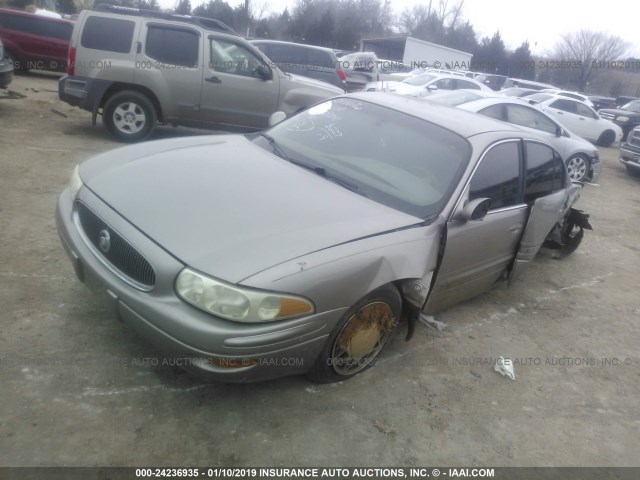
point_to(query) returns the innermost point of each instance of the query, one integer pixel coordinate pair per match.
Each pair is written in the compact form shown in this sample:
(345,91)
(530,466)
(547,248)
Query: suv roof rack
(203,22)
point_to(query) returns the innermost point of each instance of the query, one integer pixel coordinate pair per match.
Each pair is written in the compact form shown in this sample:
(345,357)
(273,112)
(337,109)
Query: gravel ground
(81,389)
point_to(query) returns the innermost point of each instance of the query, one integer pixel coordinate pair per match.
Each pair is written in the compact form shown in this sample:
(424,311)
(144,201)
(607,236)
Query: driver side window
(232,58)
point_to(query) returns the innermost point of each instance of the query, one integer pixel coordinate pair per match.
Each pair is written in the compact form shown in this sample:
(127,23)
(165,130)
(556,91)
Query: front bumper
(217,348)
(630,156)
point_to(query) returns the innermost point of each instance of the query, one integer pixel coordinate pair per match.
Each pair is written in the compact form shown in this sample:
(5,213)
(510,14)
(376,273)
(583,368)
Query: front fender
(339,276)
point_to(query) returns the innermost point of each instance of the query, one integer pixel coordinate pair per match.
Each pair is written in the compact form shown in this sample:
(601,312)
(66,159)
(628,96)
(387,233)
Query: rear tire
(607,138)
(359,337)
(634,172)
(129,116)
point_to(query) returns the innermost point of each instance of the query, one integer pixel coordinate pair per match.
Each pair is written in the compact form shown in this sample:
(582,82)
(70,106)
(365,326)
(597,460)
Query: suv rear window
(174,46)
(108,34)
(37,26)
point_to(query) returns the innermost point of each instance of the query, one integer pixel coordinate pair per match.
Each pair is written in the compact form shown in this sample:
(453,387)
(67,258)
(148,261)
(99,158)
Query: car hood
(394,87)
(618,111)
(311,82)
(229,208)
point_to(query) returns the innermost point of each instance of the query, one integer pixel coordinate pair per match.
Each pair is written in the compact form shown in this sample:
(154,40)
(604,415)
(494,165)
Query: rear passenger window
(173,46)
(108,34)
(545,171)
(468,85)
(530,117)
(565,105)
(498,176)
(494,111)
(319,59)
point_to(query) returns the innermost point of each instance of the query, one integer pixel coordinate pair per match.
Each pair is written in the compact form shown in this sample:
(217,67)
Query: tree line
(341,24)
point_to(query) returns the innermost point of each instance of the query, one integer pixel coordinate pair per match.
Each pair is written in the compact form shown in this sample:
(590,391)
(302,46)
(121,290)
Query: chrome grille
(119,253)
(634,138)
(608,116)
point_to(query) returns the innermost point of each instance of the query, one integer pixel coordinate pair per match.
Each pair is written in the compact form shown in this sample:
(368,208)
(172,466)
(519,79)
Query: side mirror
(559,131)
(264,72)
(476,209)
(276,118)
(432,88)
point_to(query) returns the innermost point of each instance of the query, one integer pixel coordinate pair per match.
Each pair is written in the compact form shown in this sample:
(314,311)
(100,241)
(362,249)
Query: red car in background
(35,41)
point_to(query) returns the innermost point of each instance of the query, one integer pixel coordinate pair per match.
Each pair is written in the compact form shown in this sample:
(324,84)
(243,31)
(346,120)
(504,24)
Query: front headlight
(75,183)
(236,303)
(622,118)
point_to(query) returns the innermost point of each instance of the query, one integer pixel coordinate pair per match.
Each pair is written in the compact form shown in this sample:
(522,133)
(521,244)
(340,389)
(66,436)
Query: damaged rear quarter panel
(339,276)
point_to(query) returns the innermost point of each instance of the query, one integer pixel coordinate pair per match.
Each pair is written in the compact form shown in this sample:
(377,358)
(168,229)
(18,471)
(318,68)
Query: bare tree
(587,53)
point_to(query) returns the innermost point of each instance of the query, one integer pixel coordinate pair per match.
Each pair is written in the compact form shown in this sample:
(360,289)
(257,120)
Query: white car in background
(425,84)
(564,93)
(581,157)
(578,117)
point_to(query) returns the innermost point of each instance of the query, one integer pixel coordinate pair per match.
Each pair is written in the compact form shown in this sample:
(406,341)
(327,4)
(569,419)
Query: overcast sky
(541,22)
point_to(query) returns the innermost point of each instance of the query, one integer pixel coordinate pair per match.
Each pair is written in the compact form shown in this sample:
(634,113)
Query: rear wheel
(634,172)
(607,138)
(359,336)
(129,116)
(578,167)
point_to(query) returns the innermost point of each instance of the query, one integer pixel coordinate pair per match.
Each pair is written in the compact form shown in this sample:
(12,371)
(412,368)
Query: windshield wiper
(315,169)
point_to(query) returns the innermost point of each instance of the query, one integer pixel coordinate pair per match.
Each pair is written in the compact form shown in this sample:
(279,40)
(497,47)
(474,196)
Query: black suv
(626,117)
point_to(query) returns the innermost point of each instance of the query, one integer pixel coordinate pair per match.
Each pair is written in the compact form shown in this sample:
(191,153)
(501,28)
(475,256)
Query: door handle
(213,79)
(560,113)
(515,228)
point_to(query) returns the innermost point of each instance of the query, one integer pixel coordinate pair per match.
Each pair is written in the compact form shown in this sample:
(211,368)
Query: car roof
(462,122)
(281,42)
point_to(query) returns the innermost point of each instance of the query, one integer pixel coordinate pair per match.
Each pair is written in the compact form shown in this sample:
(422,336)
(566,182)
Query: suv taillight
(71,61)
(341,74)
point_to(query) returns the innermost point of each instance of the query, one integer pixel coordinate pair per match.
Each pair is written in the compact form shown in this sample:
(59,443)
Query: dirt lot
(80,389)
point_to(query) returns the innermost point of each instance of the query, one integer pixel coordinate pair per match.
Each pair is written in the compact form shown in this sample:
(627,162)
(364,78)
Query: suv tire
(130,116)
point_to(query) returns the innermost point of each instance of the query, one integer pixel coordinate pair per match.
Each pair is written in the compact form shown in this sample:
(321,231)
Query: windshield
(633,106)
(390,157)
(419,80)
(453,98)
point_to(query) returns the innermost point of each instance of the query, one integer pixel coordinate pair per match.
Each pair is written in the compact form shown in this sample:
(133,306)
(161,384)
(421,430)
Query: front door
(479,252)
(233,93)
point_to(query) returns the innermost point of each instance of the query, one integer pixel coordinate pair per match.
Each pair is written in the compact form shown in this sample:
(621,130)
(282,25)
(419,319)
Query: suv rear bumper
(83,92)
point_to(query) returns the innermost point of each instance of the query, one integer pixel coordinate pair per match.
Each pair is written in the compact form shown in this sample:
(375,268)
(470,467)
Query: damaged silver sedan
(299,249)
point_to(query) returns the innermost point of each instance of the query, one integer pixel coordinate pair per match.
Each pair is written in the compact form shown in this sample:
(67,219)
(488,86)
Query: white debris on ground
(505,367)
(431,322)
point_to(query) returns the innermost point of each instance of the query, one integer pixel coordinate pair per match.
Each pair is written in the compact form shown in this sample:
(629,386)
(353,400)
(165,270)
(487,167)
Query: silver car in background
(581,157)
(425,84)
(300,249)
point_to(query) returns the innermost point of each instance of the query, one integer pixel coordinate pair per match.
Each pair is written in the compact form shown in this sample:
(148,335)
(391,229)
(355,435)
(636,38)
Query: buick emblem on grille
(104,241)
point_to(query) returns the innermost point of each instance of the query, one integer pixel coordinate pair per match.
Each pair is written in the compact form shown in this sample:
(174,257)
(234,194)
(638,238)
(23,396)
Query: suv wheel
(129,116)
(607,138)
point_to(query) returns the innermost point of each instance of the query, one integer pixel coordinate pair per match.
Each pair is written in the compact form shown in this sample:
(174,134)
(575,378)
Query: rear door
(545,191)
(232,92)
(168,62)
(565,110)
